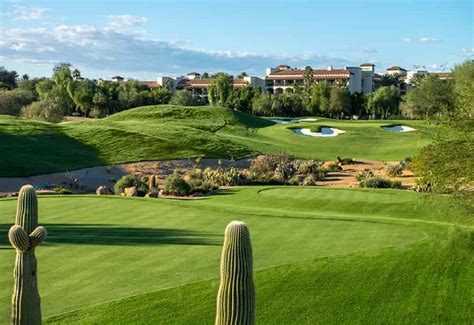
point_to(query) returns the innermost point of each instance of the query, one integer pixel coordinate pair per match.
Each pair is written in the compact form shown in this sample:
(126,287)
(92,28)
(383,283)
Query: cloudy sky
(143,39)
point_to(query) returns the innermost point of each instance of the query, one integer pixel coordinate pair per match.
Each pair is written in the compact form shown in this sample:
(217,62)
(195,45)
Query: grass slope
(327,255)
(169,132)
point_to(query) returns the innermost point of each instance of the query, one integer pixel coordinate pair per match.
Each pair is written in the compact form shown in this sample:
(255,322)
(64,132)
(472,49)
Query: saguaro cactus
(25,235)
(236,296)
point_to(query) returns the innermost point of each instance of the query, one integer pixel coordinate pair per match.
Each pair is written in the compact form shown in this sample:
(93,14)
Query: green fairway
(169,132)
(321,255)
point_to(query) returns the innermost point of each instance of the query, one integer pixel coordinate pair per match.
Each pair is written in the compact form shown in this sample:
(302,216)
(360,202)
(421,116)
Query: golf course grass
(320,256)
(172,132)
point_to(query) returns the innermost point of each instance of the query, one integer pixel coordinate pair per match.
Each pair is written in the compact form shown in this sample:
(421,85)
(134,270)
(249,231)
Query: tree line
(67,92)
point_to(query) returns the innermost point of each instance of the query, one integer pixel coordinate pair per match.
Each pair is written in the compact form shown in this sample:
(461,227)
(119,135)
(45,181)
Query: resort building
(357,79)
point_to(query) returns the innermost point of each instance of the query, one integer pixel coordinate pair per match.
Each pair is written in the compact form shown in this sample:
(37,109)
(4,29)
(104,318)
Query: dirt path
(87,180)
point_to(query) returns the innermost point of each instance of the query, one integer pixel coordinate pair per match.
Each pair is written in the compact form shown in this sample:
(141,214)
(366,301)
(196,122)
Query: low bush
(129,181)
(394,170)
(310,180)
(44,110)
(364,174)
(176,185)
(376,182)
(406,163)
(62,190)
(345,161)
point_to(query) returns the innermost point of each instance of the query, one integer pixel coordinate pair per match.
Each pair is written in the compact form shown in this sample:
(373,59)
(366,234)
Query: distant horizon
(143,40)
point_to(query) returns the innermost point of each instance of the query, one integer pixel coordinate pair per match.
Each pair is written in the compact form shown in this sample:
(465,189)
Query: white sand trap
(284,121)
(311,119)
(399,128)
(325,132)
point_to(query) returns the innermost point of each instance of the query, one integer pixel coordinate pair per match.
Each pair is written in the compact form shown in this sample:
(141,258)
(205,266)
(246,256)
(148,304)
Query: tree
(241,98)
(82,92)
(44,110)
(8,79)
(242,75)
(308,77)
(184,98)
(220,89)
(76,74)
(339,101)
(433,97)
(320,93)
(383,102)
(25,77)
(448,164)
(464,89)
(262,105)
(205,75)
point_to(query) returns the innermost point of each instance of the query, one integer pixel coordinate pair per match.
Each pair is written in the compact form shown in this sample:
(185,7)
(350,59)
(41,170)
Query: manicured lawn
(168,132)
(321,255)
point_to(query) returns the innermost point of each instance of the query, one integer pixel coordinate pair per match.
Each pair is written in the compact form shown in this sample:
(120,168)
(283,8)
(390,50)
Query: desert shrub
(397,184)
(223,176)
(422,185)
(307,167)
(271,169)
(376,182)
(364,174)
(129,181)
(62,190)
(44,110)
(197,182)
(406,163)
(310,180)
(176,185)
(333,167)
(394,170)
(345,161)
(294,181)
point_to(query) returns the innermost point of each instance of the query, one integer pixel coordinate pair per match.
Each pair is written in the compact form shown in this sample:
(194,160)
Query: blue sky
(143,39)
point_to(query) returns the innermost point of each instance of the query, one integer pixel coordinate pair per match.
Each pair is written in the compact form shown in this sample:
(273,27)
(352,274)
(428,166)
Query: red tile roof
(395,68)
(317,73)
(151,84)
(204,83)
(443,75)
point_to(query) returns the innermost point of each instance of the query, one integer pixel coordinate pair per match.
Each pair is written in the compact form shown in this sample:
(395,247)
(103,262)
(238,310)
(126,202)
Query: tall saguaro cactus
(25,235)
(236,296)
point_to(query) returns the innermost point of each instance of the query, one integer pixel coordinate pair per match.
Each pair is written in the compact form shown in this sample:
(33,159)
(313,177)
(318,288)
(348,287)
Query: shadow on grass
(93,234)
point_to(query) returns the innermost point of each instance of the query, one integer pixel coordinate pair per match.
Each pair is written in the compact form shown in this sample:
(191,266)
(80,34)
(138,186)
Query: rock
(130,191)
(103,190)
(153,194)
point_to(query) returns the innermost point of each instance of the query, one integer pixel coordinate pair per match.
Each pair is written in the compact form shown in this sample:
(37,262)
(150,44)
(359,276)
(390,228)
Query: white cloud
(126,20)
(426,40)
(108,49)
(406,40)
(467,51)
(27,13)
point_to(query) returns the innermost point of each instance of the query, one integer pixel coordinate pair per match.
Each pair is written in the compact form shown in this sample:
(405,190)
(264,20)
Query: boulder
(103,190)
(152,194)
(130,191)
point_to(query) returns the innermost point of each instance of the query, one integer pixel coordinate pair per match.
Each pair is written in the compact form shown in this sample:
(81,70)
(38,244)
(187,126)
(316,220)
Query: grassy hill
(167,132)
(320,255)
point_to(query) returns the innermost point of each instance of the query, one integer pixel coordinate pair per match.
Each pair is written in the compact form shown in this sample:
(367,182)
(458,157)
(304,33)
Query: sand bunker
(310,119)
(398,128)
(325,132)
